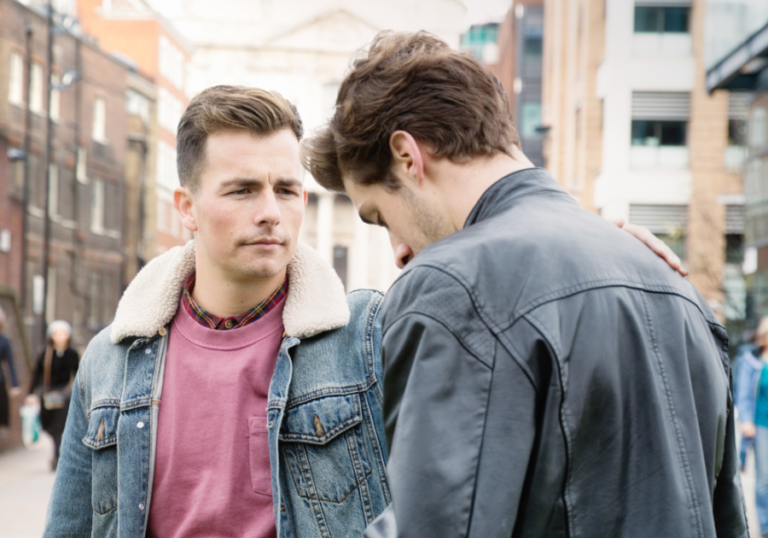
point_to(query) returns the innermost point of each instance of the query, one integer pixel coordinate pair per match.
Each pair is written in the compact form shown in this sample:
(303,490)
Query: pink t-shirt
(212,473)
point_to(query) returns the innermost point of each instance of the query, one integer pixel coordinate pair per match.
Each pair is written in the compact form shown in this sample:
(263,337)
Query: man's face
(413,218)
(249,204)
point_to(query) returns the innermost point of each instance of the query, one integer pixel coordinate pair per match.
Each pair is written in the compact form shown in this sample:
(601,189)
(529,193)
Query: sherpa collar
(315,303)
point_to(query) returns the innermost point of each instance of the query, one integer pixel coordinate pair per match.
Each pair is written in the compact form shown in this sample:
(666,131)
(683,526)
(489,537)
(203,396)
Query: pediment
(339,32)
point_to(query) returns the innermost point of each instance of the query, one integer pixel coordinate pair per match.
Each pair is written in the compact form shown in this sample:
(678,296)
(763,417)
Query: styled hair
(416,83)
(222,108)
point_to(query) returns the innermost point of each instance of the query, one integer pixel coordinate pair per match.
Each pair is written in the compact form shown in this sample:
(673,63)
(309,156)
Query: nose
(267,211)
(403,253)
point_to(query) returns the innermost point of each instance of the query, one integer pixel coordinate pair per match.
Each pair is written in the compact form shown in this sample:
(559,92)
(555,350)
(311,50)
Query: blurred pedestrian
(54,376)
(6,356)
(745,355)
(752,403)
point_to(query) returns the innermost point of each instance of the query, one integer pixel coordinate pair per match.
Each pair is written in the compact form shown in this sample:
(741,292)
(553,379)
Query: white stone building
(302,49)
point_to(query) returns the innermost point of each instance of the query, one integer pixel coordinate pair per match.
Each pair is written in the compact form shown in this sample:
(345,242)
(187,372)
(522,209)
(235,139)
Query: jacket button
(141,506)
(271,424)
(140,425)
(229,324)
(148,351)
(162,331)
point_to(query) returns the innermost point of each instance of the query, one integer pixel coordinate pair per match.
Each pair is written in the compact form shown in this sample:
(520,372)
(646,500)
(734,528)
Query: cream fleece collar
(315,303)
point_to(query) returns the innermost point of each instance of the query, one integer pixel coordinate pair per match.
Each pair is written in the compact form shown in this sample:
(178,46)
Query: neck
(224,296)
(466,183)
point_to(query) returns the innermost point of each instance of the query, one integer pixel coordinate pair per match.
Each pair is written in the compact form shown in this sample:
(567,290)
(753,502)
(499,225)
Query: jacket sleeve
(69,510)
(436,394)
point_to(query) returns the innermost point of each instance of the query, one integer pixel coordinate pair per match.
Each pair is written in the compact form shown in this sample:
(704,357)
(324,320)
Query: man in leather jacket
(544,374)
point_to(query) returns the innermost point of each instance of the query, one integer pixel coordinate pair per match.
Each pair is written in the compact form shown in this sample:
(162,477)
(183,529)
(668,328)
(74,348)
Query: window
(172,65)
(138,105)
(36,88)
(55,97)
(532,47)
(99,128)
(530,119)
(94,313)
(169,110)
(97,207)
(53,192)
(658,133)
(167,175)
(653,19)
(758,127)
(82,166)
(16,79)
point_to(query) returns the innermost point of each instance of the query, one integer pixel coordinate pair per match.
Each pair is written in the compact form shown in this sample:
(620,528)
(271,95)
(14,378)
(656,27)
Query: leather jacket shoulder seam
(453,333)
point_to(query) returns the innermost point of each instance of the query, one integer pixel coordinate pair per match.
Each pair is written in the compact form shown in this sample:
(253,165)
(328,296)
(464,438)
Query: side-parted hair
(416,83)
(223,108)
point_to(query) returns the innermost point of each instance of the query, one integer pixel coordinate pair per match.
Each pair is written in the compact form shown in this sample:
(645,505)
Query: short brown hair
(223,108)
(416,83)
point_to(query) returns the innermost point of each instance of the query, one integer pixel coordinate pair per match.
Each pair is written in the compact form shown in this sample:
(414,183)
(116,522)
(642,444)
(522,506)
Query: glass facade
(658,133)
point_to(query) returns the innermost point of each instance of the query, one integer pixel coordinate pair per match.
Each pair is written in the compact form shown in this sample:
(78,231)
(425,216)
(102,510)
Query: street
(25,486)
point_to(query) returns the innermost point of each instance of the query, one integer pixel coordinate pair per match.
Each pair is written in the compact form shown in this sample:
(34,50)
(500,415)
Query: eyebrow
(251,182)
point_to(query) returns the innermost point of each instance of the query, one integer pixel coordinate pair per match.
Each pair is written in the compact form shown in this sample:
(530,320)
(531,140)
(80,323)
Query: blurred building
(744,71)
(85,206)
(519,67)
(161,55)
(634,134)
(302,49)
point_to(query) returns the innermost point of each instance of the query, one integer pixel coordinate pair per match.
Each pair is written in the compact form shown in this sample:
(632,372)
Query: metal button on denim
(162,331)
(140,425)
(141,506)
(148,351)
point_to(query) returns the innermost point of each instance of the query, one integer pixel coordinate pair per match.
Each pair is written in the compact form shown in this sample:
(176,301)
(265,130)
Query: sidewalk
(25,486)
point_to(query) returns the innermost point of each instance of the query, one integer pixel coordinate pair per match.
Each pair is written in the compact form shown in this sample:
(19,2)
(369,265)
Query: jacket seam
(449,329)
(369,347)
(674,420)
(482,443)
(563,410)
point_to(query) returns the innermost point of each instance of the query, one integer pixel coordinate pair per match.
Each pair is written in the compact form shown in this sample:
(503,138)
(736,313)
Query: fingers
(657,246)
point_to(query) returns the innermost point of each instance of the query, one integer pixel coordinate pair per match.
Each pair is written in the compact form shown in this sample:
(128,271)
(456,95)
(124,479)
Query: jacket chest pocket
(324,446)
(101,437)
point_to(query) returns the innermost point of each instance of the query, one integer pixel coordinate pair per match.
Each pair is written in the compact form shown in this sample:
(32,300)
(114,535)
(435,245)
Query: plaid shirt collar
(213,321)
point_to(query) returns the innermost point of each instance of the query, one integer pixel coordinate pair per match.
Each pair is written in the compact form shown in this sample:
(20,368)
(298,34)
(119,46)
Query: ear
(407,157)
(184,203)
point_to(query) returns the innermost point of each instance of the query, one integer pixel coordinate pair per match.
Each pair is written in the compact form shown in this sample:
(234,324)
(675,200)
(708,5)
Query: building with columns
(302,50)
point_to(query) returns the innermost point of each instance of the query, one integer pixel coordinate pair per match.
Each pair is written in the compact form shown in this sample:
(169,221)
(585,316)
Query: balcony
(734,158)
(659,157)
(657,43)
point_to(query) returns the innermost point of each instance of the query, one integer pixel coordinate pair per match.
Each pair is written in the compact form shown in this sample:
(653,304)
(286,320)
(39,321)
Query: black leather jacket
(548,375)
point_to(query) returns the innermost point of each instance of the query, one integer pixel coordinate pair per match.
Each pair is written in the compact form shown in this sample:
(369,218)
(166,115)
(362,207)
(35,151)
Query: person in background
(54,375)
(745,354)
(752,403)
(6,357)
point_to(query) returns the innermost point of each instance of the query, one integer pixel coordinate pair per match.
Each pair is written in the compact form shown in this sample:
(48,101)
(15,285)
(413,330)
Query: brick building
(86,172)
(634,134)
(160,54)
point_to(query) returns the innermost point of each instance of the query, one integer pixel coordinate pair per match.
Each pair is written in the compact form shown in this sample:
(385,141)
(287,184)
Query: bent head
(241,180)
(406,115)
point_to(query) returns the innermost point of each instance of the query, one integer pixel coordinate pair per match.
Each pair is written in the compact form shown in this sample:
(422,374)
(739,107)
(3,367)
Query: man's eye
(240,191)
(288,192)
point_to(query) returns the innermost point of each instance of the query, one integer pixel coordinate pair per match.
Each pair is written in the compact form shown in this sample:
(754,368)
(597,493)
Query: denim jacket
(326,438)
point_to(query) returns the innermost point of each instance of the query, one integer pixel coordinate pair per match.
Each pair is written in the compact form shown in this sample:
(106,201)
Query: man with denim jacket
(543,374)
(237,392)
